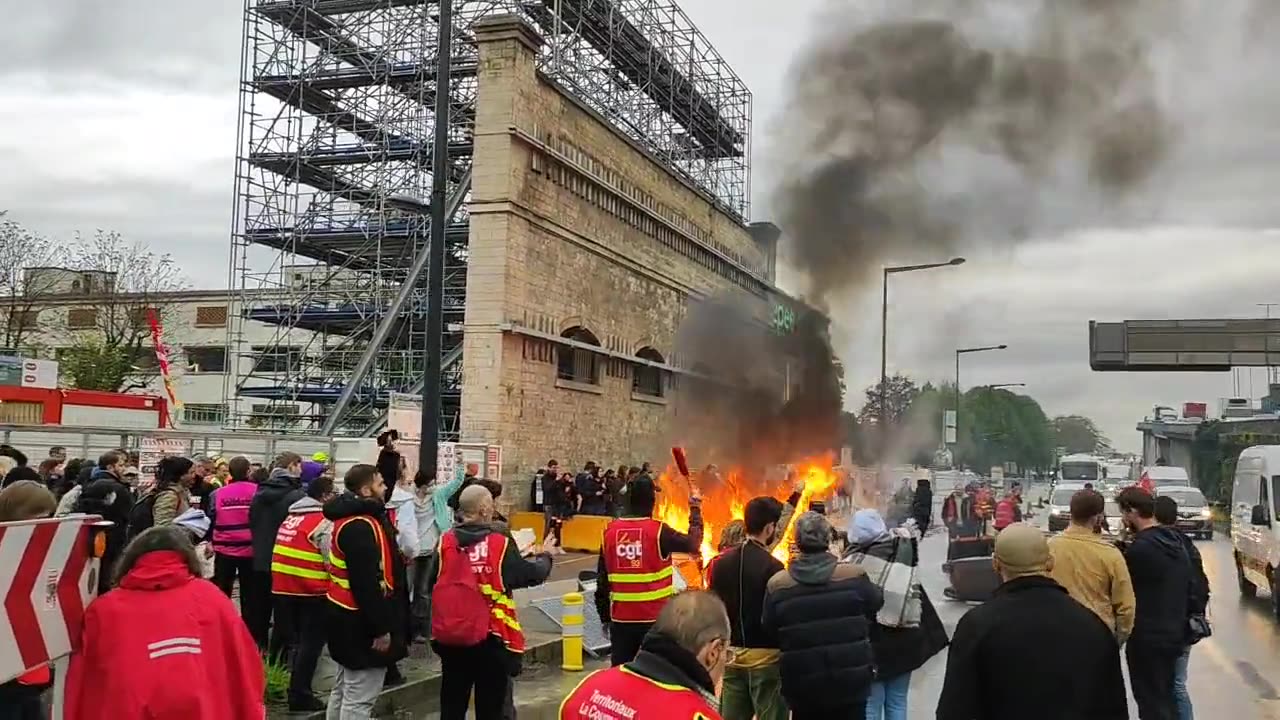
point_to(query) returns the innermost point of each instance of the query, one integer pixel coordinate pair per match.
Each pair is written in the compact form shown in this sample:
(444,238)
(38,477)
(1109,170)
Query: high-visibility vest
(1004,513)
(231,535)
(622,692)
(640,576)
(297,566)
(339,591)
(486,563)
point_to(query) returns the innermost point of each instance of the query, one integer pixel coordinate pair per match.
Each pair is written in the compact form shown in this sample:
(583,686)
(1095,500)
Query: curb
(415,694)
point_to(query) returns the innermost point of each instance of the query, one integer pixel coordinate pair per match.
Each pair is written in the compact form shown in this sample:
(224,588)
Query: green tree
(91,364)
(899,393)
(1078,434)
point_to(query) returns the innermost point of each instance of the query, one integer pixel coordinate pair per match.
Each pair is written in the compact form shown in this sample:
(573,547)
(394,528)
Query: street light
(998,386)
(884,332)
(966,351)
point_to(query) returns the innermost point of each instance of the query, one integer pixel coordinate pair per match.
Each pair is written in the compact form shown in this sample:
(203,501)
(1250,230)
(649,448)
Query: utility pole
(427,450)
(1270,370)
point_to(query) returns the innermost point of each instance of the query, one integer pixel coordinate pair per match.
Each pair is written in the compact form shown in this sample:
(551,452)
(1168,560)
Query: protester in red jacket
(165,643)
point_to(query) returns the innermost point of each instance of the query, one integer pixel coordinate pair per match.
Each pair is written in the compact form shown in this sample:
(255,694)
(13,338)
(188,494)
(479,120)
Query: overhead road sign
(1183,345)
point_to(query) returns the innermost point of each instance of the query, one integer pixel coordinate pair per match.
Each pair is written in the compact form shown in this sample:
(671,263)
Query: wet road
(1233,675)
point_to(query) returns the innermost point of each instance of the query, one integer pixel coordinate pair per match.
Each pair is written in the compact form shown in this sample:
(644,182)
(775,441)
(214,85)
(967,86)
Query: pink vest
(231,519)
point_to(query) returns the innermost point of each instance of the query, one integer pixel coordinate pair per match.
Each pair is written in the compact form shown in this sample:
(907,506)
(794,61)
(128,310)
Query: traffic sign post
(48,576)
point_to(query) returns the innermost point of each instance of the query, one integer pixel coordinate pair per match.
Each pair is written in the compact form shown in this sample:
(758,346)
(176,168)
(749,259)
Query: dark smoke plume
(914,137)
(759,397)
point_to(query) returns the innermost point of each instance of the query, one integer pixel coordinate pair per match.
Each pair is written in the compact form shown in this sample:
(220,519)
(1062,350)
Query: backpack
(142,514)
(459,612)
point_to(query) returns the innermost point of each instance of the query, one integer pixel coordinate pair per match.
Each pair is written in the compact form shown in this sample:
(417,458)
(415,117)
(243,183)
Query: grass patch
(277,682)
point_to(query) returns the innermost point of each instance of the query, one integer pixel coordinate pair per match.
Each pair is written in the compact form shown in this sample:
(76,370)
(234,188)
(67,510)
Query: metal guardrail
(90,442)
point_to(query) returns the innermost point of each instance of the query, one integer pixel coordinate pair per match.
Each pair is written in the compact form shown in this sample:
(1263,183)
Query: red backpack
(459,612)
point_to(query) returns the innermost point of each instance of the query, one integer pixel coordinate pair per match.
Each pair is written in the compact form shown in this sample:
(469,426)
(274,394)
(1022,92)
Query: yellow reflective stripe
(340,582)
(494,595)
(642,596)
(299,572)
(662,574)
(664,686)
(296,554)
(507,620)
(337,561)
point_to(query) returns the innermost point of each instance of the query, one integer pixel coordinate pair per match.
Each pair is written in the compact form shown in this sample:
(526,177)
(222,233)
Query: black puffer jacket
(268,509)
(1161,573)
(820,615)
(352,632)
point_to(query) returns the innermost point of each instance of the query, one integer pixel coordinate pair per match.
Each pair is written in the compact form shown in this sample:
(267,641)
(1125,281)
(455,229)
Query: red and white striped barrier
(48,575)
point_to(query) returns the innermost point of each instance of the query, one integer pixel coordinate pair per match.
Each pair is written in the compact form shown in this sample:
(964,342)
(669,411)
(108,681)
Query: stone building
(584,255)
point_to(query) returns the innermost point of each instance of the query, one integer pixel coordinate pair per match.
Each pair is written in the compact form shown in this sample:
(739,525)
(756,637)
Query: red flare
(682,462)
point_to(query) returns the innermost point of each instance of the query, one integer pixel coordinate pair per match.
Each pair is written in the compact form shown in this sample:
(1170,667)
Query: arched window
(647,379)
(576,364)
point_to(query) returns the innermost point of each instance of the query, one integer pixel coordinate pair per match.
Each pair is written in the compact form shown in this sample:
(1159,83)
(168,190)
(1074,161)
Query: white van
(1167,475)
(1255,532)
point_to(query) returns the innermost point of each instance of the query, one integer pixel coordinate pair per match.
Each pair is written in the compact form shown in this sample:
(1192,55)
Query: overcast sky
(122,115)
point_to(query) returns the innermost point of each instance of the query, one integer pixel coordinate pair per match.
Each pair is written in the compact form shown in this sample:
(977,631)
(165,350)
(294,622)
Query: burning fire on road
(725,496)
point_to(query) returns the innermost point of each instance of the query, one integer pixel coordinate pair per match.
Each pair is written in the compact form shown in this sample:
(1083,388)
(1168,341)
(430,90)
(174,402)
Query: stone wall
(573,226)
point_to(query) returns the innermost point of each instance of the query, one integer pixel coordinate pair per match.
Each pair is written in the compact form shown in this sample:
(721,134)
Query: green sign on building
(784,318)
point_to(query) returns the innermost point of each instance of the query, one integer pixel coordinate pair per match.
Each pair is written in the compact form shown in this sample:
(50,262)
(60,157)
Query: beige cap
(1022,550)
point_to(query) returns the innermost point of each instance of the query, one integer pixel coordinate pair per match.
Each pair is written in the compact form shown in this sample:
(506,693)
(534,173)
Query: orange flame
(725,498)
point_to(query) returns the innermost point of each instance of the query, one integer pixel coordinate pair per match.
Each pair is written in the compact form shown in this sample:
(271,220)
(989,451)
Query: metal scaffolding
(333,179)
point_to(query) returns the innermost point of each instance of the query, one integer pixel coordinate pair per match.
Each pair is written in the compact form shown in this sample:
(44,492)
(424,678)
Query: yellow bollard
(571,637)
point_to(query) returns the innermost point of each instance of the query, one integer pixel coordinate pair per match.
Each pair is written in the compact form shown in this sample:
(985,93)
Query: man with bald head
(473,576)
(1031,649)
(675,673)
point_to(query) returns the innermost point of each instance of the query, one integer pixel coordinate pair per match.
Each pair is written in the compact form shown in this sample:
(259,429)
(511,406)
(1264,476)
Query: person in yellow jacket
(1091,569)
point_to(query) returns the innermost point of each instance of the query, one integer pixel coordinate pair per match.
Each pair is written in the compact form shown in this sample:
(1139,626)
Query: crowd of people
(367,569)
(594,490)
(358,566)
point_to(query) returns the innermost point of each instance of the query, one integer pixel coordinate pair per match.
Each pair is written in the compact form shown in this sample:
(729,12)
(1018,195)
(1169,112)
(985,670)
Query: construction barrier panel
(584,533)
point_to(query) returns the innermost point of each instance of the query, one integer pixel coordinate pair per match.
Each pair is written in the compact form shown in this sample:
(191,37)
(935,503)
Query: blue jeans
(1180,694)
(888,699)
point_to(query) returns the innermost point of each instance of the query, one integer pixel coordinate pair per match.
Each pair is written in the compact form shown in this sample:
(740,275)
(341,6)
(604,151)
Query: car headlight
(1206,513)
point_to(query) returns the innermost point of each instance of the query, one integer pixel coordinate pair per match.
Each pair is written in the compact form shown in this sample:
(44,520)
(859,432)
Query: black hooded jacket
(352,632)
(268,510)
(108,496)
(517,572)
(1161,571)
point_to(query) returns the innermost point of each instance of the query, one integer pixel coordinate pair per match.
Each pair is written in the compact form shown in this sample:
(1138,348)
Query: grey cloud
(184,43)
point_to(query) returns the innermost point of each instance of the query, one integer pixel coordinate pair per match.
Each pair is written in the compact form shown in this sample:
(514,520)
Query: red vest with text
(1004,513)
(231,519)
(621,693)
(339,591)
(297,566)
(486,563)
(640,577)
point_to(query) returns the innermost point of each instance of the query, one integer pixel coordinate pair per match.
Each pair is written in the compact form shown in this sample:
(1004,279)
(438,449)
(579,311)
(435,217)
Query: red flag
(162,355)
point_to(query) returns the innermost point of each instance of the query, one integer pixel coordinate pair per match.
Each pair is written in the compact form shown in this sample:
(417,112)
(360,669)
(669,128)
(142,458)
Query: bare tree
(115,354)
(20,290)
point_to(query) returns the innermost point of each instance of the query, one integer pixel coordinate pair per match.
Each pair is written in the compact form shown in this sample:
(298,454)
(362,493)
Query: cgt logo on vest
(629,549)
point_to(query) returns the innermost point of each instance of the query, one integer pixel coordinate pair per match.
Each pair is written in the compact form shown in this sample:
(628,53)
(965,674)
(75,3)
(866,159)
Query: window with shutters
(211,316)
(82,318)
(25,319)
